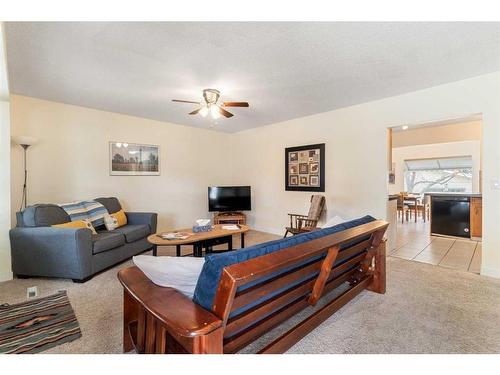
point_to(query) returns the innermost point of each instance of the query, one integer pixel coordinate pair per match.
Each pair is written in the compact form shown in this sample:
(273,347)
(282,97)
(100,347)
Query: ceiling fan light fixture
(209,105)
(214,111)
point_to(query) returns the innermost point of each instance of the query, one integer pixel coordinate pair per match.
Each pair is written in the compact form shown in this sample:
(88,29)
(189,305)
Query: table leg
(415,211)
(178,250)
(242,240)
(230,243)
(155,250)
(197,249)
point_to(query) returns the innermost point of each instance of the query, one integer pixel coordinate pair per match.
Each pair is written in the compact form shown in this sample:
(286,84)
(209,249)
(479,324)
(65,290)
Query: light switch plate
(32,292)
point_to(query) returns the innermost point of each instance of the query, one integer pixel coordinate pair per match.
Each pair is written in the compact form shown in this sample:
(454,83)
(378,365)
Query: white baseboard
(5,276)
(491,272)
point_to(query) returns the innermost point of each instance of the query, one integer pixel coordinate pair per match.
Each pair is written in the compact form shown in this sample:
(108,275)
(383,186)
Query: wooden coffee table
(207,240)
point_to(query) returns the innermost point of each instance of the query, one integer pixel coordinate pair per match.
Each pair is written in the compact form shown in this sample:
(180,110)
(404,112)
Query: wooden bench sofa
(252,296)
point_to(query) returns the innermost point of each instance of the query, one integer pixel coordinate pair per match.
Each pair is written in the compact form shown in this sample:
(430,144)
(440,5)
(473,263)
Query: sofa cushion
(214,264)
(19,219)
(44,215)
(133,233)
(104,241)
(112,204)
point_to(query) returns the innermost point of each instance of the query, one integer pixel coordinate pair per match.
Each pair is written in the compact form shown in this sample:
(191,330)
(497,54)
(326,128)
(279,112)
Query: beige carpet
(426,309)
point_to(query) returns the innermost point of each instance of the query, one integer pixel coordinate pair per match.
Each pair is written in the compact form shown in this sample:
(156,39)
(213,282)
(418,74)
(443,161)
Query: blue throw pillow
(208,281)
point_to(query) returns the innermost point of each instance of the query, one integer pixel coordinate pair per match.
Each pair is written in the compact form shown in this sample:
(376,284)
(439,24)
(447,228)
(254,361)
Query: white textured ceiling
(284,70)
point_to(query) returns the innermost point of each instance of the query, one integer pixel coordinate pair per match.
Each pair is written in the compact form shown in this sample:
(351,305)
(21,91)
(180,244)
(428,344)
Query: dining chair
(402,207)
(424,207)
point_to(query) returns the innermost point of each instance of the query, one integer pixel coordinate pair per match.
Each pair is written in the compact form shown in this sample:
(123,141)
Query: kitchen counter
(452,194)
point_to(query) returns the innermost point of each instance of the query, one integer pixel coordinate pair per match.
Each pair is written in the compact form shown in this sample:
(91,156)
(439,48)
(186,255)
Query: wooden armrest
(294,220)
(306,223)
(168,305)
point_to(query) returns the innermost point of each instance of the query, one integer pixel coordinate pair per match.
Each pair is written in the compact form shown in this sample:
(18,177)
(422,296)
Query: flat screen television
(229,198)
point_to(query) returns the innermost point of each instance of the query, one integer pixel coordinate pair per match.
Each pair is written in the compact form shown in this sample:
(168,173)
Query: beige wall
(71,160)
(437,150)
(456,132)
(356,155)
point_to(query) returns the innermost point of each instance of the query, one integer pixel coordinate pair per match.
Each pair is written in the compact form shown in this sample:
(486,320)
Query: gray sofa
(41,250)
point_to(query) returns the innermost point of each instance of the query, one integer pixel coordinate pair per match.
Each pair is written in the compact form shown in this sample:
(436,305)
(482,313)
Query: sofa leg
(79,281)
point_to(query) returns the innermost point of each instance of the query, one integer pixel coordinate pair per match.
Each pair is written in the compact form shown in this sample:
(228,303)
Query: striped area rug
(37,325)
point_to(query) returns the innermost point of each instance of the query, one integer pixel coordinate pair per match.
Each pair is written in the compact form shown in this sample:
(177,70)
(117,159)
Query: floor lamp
(25,142)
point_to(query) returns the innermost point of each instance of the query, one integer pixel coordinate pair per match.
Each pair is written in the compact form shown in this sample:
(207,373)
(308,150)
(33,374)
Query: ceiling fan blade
(195,111)
(185,101)
(225,113)
(235,104)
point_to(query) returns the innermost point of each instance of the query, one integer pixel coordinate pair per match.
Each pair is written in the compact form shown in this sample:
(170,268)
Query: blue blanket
(86,210)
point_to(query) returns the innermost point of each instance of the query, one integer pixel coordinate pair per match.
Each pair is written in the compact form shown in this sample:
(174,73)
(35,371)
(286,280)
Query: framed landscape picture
(305,168)
(130,159)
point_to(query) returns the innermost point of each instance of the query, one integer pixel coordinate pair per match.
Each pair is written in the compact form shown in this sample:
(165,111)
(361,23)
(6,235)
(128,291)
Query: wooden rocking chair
(306,223)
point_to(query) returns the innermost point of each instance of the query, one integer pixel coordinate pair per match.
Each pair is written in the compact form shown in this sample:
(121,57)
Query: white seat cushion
(180,273)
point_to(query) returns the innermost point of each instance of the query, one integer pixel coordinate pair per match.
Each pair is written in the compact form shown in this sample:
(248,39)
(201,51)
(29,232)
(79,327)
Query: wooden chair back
(400,200)
(316,208)
(426,200)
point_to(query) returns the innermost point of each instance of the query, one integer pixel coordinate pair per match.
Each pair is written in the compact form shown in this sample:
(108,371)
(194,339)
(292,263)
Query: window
(439,175)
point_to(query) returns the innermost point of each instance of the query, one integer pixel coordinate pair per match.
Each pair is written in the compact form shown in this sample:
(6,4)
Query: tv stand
(230,218)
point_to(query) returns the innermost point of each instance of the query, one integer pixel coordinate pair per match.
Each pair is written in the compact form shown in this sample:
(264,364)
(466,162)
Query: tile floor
(414,242)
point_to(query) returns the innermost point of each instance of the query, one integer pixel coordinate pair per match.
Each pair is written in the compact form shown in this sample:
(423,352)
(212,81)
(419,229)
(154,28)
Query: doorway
(436,162)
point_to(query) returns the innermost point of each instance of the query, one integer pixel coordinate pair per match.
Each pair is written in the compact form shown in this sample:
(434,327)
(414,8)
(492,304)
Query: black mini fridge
(450,216)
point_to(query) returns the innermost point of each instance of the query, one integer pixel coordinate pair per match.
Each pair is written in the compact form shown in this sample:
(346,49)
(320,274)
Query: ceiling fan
(211,96)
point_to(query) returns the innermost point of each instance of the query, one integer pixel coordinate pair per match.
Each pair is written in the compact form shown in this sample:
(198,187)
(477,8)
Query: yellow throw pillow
(77,224)
(120,217)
